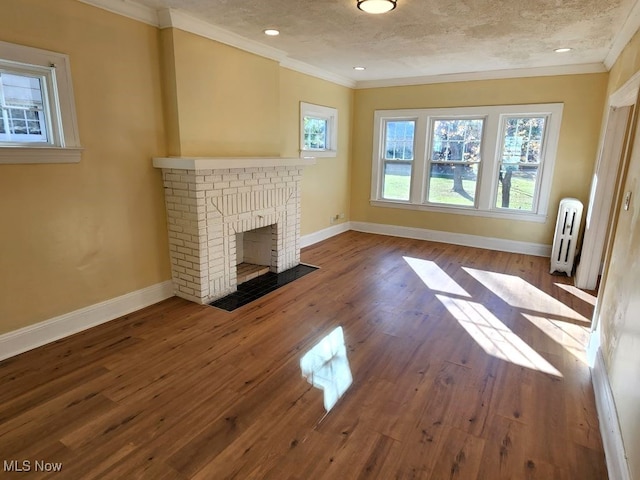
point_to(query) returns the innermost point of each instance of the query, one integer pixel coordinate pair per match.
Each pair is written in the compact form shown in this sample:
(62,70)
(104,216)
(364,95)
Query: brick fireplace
(209,201)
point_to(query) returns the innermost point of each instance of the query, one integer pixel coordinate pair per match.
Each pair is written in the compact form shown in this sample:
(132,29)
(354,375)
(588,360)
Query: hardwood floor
(466,364)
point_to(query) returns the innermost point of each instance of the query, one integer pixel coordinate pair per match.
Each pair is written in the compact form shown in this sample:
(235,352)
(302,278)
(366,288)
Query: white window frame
(491,150)
(63,145)
(320,112)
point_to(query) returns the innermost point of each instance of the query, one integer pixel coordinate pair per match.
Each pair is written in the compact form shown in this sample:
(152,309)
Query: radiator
(565,239)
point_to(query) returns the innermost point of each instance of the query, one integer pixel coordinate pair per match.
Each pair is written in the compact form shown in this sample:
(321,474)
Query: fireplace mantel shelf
(214,163)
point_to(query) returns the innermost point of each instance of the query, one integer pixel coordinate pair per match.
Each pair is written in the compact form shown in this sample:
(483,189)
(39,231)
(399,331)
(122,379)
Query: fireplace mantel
(215,163)
(211,202)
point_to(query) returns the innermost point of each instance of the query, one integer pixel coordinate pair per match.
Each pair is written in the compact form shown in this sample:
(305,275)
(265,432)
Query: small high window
(318,130)
(37,112)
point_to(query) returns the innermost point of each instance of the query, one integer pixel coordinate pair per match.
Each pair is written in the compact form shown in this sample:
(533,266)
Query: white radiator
(565,239)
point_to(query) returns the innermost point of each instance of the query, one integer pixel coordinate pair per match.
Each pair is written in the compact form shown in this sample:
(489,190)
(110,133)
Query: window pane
(521,155)
(24,120)
(21,90)
(315,133)
(516,187)
(17,114)
(523,139)
(19,126)
(399,136)
(34,128)
(398,154)
(454,141)
(453,184)
(397,180)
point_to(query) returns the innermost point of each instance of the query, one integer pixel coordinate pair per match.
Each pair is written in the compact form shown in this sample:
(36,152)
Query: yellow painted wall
(227,99)
(627,64)
(619,302)
(583,97)
(325,185)
(170,92)
(232,103)
(76,234)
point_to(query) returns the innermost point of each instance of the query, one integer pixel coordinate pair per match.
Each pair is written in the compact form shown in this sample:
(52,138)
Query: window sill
(28,155)
(506,215)
(318,153)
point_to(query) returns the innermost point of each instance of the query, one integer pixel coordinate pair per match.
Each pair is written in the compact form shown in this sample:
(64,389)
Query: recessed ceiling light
(359,68)
(563,50)
(272,32)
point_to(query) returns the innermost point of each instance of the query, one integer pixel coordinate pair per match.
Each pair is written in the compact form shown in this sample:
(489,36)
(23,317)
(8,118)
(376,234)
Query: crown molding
(317,72)
(625,34)
(174,18)
(167,18)
(127,8)
(488,75)
(170,17)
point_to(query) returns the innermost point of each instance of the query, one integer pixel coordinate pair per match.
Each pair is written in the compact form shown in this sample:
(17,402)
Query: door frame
(605,186)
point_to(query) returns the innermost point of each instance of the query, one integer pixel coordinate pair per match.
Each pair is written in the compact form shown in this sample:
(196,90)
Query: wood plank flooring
(466,364)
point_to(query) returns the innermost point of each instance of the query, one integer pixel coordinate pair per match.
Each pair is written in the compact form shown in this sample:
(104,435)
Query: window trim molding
(66,144)
(322,112)
(28,155)
(491,144)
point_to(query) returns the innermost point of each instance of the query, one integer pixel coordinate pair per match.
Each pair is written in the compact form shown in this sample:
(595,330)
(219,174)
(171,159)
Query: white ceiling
(425,37)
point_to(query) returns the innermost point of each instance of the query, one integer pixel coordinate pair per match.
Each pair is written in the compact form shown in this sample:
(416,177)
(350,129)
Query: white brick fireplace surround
(210,200)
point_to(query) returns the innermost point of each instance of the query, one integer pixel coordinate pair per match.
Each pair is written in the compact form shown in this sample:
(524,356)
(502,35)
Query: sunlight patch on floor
(521,294)
(576,292)
(572,337)
(493,336)
(434,277)
(326,367)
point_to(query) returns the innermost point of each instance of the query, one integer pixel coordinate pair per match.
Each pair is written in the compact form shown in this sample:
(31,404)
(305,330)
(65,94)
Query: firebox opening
(254,253)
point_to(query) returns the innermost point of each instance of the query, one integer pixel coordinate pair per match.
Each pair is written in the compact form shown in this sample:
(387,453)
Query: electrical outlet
(341,216)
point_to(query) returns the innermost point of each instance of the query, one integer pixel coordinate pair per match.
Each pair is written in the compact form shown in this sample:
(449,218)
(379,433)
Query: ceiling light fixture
(562,50)
(359,68)
(377,6)
(272,32)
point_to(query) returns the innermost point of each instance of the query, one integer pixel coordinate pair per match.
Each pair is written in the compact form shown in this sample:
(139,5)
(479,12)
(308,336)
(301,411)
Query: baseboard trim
(616,458)
(320,235)
(467,240)
(33,336)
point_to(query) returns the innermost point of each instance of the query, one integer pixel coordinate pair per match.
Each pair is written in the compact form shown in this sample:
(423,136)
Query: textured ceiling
(421,37)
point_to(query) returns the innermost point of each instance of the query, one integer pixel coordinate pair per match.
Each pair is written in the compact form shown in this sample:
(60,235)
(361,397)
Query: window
(519,162)
(315,133)
(37,113)
(454,154)
(22,109)
(318,130)
(398,158)
(488,161)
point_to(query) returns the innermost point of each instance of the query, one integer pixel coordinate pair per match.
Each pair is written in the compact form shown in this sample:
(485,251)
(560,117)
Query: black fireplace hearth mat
(260,286)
